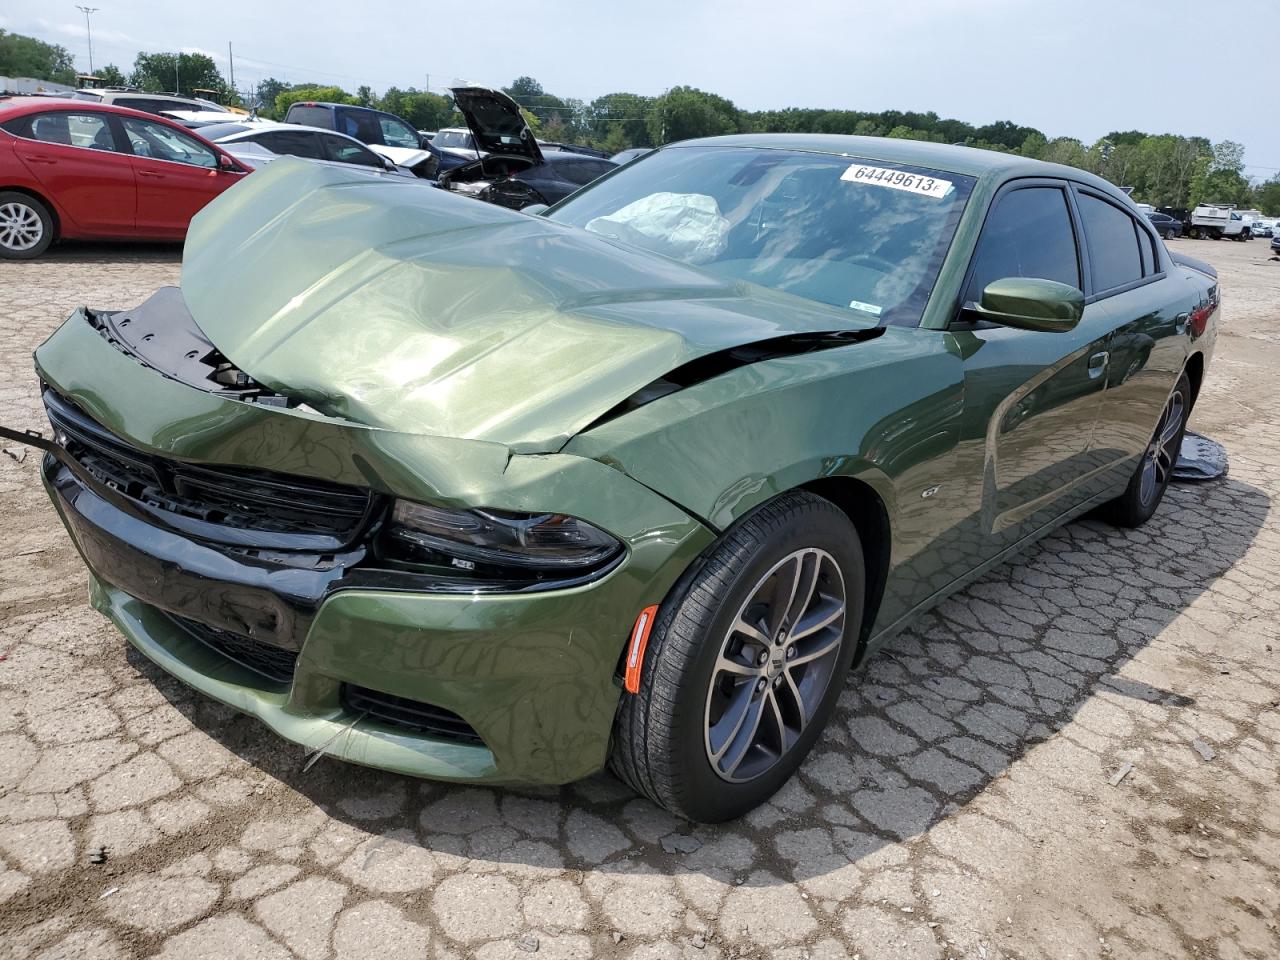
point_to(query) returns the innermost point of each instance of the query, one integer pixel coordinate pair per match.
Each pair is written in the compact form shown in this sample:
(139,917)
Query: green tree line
(1166,169)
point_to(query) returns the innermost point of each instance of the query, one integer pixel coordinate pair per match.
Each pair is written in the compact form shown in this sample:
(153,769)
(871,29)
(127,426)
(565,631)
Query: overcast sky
(1069,67)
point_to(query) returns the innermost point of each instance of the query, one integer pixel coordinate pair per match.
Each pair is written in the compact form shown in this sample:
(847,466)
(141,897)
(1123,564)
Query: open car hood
(403,307)
(496,122)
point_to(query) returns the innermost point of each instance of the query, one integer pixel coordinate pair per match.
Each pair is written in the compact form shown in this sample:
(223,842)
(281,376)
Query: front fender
(884,412)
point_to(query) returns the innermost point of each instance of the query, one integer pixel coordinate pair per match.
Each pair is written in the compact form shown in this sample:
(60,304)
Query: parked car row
(119,164)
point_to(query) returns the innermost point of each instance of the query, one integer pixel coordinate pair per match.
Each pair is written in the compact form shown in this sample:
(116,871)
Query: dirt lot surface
(960,805)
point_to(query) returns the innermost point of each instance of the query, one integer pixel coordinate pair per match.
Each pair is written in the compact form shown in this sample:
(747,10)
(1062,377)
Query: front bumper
(534,675)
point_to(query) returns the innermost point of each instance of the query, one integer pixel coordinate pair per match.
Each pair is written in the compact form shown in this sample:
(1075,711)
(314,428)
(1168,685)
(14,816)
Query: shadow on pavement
(941,712)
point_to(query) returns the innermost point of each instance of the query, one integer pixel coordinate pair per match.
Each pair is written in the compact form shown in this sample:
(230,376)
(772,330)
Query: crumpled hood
(397,305)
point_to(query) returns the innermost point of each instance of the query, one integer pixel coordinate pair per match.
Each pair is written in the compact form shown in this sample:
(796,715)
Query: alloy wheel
(775,664)
(1162,452)
(20,227)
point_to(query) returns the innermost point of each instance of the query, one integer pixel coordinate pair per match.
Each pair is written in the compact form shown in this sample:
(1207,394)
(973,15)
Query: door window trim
(27,121)
(217,153)
(1077,229)
(1142,230)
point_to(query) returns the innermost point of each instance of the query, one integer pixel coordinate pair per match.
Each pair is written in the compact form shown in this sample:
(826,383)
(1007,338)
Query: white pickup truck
(1213,221)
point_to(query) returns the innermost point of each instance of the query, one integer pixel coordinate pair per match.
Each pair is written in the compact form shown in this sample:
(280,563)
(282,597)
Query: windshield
(453,138)
(867,236)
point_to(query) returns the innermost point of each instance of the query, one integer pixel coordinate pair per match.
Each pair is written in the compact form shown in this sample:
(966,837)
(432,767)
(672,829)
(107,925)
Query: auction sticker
(898,180)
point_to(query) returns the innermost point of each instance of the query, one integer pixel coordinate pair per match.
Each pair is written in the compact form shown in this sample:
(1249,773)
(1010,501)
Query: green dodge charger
(492,496)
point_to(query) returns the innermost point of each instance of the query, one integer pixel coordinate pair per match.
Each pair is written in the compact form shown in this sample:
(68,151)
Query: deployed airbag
(684,226)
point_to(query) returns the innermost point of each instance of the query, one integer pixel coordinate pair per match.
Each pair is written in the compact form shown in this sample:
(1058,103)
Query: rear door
(176,174)
(77,157)
(1150,306)
(1031,398)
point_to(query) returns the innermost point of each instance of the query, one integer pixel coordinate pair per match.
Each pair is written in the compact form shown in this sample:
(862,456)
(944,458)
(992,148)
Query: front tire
(1150,480)
(1169,235)
(746,662)
(26,226)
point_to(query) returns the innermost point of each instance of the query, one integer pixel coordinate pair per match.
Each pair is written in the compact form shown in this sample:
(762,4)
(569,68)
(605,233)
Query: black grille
(266,660)
(408,714)
(225,504)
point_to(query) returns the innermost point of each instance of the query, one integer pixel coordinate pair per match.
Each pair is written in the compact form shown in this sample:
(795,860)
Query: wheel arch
(1194,369)
(860,502)
(47,203)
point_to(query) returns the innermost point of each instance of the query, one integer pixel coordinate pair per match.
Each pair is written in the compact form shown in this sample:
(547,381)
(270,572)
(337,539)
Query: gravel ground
(962,804)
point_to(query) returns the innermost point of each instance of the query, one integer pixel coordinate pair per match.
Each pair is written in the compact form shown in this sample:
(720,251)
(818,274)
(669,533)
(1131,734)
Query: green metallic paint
(445,378)
(384,303)
(1029,304)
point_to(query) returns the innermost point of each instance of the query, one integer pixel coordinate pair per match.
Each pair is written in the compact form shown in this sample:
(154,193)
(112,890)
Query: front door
(176,173)
(1032,399)
(82,167)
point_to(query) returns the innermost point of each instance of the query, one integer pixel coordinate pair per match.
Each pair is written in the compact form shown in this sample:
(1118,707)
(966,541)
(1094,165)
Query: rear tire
(26,226)
(1150,480)
(724,655)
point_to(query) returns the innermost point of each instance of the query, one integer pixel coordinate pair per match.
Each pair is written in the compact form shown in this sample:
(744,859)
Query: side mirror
(1030,304)
(226,164)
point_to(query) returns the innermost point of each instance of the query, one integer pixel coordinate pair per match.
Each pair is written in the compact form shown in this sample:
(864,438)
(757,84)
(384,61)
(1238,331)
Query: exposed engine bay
(492,179)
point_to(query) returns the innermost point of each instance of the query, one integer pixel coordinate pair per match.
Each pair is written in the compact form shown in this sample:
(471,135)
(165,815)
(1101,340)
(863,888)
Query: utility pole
(231,58)
(177,80)
(86,11)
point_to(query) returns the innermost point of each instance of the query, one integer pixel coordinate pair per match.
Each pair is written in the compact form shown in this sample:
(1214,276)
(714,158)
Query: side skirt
(880,638)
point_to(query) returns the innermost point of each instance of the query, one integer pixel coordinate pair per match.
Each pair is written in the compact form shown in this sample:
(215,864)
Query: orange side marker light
(635,652)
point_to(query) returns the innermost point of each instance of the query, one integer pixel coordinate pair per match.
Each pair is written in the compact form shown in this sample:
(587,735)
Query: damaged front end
(255,548)
(335,494)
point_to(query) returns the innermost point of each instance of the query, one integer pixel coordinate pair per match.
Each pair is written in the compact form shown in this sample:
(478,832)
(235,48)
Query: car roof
(966,161)
(258,126)
(19,105)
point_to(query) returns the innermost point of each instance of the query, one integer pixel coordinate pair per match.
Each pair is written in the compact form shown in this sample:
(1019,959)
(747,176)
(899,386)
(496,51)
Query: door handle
(41,158)
(150,175)
(1098,363)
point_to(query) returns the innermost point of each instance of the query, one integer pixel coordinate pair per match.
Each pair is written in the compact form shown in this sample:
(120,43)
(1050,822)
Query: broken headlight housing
(490,542)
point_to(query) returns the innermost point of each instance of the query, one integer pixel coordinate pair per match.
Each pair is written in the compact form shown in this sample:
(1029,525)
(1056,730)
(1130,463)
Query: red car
(75,170)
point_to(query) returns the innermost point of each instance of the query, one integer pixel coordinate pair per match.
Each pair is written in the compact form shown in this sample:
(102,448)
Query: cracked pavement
(966,800)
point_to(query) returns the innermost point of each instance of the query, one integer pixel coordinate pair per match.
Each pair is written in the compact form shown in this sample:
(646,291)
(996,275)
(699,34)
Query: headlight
(471,539)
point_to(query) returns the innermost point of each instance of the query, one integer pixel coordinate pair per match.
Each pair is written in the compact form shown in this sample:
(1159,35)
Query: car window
(146,104)
(584,171)
(216,131)
(86,95)
(397,133)
(311,116)
(342,150)
(300,143)
(865,236)
(88,130)
(577,172)
(1028,234)
(1115,255)
(361,124)
(161,142)
(454,138)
